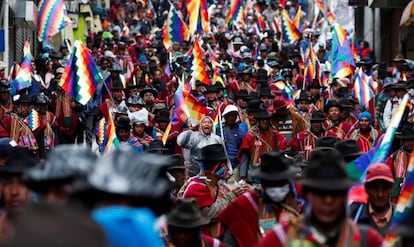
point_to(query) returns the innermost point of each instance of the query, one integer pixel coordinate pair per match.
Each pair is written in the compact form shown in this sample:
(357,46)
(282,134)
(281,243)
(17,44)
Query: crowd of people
(260,168)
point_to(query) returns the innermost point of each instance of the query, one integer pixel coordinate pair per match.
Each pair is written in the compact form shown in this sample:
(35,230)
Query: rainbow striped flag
(296,94)
(199,66)
(196,108)
(100,131)
(81,74)
(285,89)
(298,20)
(330,16)
(362,89)
(198,16)
(404,204)
(24,75)
(33,120)
(357,169)
(236,8)
(111,140)
(52,17)
(312,68)
(260,21)
(175,29)
(13,71)
(290,32)
(343,63)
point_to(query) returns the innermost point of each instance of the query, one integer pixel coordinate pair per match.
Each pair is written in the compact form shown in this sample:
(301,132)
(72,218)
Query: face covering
(219,172)
(277,194)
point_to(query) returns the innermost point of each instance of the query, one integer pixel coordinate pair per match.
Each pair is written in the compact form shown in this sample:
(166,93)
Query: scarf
(365,144)
(300,234)
(63,102)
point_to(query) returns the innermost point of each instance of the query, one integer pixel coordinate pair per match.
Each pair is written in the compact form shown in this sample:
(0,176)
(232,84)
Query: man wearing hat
(149,94)
(257,141)
(210,197)
(386,93)
(334,122)
(41,103)
(364,132)
(247,218)
(177,171)
(392,104)
(125,60)
(6,105)
(266,97)
(286,120)
(17,127)
(184,225)
(246,80)
(68,122)
(398,64)
(346,108)
(325,222)
(399,160)
(304,141)
(232,132)
(317,101)
(378,211)
(302,105)
(14,194)
(112,103)
(159,84)
(250,120)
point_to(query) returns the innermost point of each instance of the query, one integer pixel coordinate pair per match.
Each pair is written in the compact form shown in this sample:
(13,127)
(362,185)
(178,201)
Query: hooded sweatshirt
(194,141)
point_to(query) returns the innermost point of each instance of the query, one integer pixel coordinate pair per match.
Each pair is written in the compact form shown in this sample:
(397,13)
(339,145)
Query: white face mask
(277,194)
(411,91)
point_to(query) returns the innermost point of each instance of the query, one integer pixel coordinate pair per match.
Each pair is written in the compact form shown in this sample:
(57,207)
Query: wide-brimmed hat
(342,91)
(243,94)
(7,145)
(148,89)
(253,106)
(211,89)
(345,104)
(177,162)
(4,85)
(262,114)
(213,152)
(18,162)
(410,84)
(275,166)
(64,163)
(156,146)
(186,214)
(326,141)
(398,58)
(237,41)
(407,133)
(331,103)
(279,104)
(125,172)
(302,97)
(389,82)
(317,116)
(41,99)
(327,174)
(117,85)
(123,123)
(22,98)
(134,100)
(349,150)
(399,85)
(265,91)
(163,116)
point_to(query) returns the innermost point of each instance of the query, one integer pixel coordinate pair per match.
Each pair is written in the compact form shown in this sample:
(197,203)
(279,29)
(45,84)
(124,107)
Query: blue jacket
(233,138)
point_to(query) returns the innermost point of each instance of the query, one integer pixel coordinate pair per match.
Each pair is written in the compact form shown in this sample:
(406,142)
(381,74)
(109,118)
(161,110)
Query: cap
(379,171)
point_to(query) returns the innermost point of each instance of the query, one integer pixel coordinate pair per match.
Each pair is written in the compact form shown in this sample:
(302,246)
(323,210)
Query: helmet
(135,100)
(247,69)
(41,99)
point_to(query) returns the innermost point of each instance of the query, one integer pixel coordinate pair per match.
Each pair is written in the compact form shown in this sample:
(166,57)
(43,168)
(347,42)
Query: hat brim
(328,184)
(380,177)
(258,173)
(153,150)
(317,119)
(223,158)
(143,92)
(187,224)
(405,137)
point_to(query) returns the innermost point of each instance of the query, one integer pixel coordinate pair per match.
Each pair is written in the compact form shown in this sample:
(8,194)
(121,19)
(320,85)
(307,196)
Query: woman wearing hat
(325,221)
(317,100)
(248,217)
(139,123)
(304,142)
(364,132)
(41,103)
(246,80)
(399,160)
(392,104)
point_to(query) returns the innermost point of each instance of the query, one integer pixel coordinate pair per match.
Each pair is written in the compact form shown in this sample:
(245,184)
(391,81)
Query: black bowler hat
(407,133)
(214,152)
(156,146)
(253,106)
(186,214)
(262,114)
(275,166)
(243,94)
(17,162)
(327,174)
(317,116)
(326,141)
(148,89)
(331,103)
(349,150)
(302,97)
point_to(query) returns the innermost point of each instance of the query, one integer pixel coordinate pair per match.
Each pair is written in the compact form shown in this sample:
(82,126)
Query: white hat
(230,108)
(108,53)
(140,117)
(2,65)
